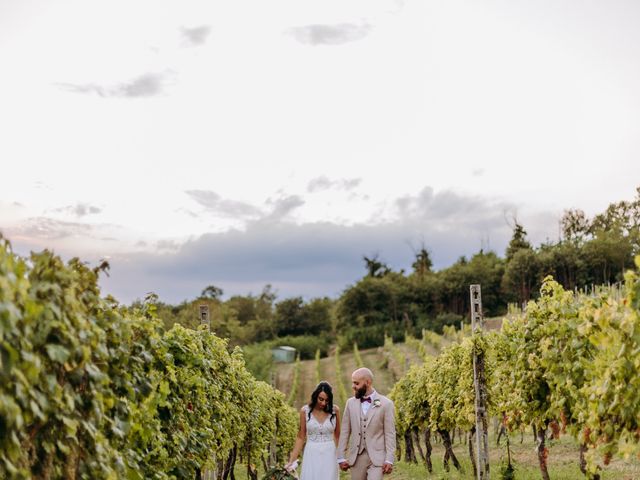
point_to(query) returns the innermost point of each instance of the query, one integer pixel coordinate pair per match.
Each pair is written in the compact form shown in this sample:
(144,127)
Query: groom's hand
(344,466)
(387,468)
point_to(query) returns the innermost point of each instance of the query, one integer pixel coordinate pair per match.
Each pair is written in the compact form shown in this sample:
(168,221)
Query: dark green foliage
(259,360)
(211,291)
(295,317)
(375,268)
(373,335)
(507,471)
(518,242)
(521,276)
(366,337)
(437,324)
(423,264)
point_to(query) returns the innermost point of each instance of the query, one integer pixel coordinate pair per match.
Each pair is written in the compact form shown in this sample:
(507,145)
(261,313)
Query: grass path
(284,377)
(306,384)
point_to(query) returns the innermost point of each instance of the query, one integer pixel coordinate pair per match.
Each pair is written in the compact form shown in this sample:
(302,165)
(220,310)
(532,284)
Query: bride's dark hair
(326,388)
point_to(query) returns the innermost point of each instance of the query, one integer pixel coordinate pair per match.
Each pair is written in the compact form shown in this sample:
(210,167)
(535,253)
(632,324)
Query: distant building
(284,354)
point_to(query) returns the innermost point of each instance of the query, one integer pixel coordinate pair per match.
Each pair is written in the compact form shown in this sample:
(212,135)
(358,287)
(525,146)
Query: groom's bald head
(363,373)
(361,381)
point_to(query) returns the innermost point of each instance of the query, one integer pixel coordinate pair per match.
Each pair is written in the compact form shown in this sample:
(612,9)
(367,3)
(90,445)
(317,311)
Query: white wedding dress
(319,457)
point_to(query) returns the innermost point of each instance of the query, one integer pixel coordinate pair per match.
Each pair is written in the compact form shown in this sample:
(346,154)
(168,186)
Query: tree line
(589,251)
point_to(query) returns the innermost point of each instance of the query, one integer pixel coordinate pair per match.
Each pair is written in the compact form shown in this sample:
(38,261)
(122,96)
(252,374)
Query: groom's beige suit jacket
(375,432)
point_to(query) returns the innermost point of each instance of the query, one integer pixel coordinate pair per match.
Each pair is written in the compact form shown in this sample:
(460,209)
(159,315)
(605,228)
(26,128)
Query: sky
(248,143)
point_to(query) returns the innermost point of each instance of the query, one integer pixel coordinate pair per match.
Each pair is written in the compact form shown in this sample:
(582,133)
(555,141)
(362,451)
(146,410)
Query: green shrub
(438,323)
(371,336)
(258,359)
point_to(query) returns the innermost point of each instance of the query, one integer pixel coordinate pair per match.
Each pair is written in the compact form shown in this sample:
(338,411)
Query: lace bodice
(319,432)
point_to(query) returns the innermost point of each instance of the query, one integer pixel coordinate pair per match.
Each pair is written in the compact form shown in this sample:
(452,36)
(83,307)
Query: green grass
(562,462)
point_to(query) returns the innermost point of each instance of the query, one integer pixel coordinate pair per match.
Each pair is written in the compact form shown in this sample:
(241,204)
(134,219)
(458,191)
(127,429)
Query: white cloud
(196,36)
(214,203)
(324,183)
(146,85)
(80,209)
(49,228)
(283,207)
(330,34)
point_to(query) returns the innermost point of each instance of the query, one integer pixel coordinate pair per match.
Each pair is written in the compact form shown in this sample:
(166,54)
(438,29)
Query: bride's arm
(336,431)
(300,439)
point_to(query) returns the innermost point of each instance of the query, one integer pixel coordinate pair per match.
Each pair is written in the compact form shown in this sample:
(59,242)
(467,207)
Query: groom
(368,425)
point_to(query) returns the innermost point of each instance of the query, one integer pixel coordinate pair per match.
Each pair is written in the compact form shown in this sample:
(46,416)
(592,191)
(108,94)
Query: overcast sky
(241,143)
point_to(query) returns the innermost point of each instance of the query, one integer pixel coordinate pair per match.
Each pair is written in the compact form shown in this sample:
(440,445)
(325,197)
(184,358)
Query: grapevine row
(394,358)
(342,395)
(568,363)
(356,356)
(318,367)
(92,389)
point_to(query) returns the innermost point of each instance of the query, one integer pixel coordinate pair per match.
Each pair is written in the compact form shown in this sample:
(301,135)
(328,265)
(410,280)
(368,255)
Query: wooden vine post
(204,316)
(205,319)
(480,386)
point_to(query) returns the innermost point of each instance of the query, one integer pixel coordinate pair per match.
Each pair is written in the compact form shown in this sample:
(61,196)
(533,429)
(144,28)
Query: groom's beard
(360,392)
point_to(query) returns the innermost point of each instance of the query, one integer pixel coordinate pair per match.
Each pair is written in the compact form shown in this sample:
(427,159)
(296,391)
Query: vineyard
(562,377)
(92,389)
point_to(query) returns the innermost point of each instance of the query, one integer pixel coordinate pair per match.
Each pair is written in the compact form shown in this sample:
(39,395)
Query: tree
(255,314)
(289,317)
(211,291)
(575,226)
(487,269)
(422,265)
(483,268)
(518,241)
(521,275)
(565,262)
(375,301)
(375,268)
(608,254)
(318,316)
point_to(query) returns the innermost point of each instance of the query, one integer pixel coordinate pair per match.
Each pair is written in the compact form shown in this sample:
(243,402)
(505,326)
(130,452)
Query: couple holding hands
(365,436)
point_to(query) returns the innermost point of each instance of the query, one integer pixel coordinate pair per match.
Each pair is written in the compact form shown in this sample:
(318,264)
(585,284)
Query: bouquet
(279,473)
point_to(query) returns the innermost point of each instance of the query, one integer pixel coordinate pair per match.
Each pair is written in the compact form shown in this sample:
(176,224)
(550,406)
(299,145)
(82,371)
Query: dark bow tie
(365,399)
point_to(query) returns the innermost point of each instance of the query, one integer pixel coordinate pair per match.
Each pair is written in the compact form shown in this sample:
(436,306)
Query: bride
(320,431)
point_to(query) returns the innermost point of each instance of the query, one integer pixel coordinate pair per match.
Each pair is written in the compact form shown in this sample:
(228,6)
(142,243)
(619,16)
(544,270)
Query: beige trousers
(363,469)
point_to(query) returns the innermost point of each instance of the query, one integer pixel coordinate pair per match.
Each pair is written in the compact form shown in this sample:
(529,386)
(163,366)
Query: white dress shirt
(365,406)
